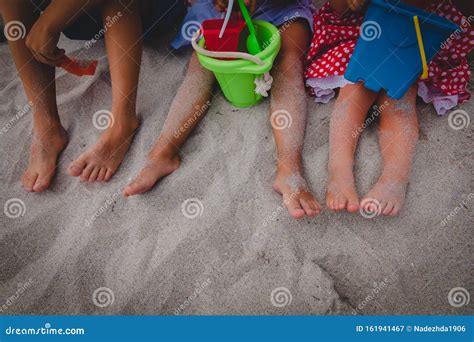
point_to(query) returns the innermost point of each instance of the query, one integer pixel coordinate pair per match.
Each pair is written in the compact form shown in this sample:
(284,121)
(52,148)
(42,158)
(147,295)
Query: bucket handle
(421,46)
(262,83)
(223,54)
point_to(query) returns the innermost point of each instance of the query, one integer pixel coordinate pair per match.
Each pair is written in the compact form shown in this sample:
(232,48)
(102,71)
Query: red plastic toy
(229,41)
(79,67)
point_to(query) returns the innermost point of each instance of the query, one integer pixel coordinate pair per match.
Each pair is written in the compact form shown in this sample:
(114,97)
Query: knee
(290,59)
(293,46)
(295,35)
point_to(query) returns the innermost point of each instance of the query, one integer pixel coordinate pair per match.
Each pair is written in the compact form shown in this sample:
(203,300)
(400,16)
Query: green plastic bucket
(237,77)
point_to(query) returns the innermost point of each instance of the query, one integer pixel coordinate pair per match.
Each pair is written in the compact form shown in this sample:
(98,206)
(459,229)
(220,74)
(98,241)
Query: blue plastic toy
(395,46)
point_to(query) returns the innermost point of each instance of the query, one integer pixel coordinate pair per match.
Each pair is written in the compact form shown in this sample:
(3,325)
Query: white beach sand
(242,246)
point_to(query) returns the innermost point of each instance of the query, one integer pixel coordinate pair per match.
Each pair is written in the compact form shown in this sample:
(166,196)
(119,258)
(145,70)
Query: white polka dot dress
(335,38)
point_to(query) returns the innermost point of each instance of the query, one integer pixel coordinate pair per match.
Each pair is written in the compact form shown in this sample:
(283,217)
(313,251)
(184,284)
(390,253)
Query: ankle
(124,114)
(45,122)
(53,139)
(124,124)
(393,177)
(289,165)
(164,152)
(48,130)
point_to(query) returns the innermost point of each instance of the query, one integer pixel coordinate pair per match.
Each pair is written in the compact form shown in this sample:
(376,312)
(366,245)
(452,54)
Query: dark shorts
(159,15)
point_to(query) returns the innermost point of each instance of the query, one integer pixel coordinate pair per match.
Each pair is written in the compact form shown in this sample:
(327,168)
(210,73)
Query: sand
(238,246)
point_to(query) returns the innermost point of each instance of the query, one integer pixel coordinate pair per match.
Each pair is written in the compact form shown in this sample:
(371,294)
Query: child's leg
(124,49)
(398,136)
(347,118)
(49,137)
(288,96)
(187,110)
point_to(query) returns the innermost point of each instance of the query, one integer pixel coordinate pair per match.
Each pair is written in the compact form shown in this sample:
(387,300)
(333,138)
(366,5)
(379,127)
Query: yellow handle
(424,75)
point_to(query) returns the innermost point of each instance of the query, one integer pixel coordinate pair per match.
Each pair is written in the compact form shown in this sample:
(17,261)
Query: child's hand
(356,5)
(221,5)
(44,45)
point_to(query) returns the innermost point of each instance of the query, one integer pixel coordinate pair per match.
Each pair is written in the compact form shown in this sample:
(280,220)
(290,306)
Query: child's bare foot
(341,192)
(46,147)
(157,167)
(296,197)
(389,192)
(101,161)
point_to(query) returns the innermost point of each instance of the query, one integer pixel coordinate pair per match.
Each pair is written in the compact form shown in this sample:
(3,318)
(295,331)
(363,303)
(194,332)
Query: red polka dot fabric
(335,38)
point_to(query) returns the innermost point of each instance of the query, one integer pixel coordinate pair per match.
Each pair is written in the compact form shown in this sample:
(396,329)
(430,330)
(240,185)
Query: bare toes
(108,175)
(101,175)
(388,208)
(342,199)
(370,205)
(29,180)
(136,187)
(388,194)
(94,174)
(86,173)
(396,210)
(294,208)
(353,204)
(42,183)
(309,204)
(341,204)
(379,206)
(315,205)
(142,183)
(330,203)
(307,208)
(336,202)
(76,168)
